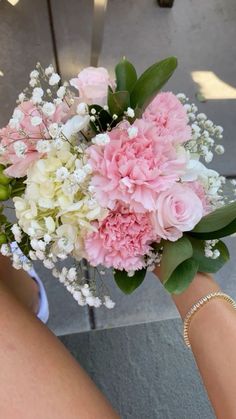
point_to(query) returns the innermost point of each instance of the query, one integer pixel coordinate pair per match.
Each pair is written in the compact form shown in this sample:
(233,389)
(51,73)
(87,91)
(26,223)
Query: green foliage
(150,82)
(219,223)
(174,253)
(182,276)
(126,76)
(4,180)
(207,264)
(5,192)
(129,284)
(118,102)
(104,119)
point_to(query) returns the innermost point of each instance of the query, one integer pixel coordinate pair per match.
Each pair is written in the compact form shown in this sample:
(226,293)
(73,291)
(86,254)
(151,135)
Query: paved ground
(143,368)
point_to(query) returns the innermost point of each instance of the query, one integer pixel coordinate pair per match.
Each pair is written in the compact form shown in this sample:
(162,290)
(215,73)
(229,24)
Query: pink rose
(170,118)
(121,241)
(134,170)
(178,209)
(92,84)
(28,134)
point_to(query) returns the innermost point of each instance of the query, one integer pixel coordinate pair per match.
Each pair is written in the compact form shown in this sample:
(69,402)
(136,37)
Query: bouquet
(111,174)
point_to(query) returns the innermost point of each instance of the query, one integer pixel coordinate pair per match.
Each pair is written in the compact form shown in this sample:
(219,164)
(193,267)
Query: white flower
(50,224)
(130,112)
(32,255)
(38,91)
(108,303)
(58,143)
(48,108)
(74,125)
(72,274)
(16,230)
(101,139)
(34,74)
(88,168)
(79,175)
(61,92)
(202,117)
(209,157)
(47,238)
(86,291)
(43,146)
(18,114)
(14,123)
(53,129)
(219,149)
(132,132)
(33,82)
(54,79)
(181,96)
(82,109)
(40,254)
(62,173)
(35,121)
(219,130)
(49,70)
(21,97)
(6,250)
(20,148)
(48,264)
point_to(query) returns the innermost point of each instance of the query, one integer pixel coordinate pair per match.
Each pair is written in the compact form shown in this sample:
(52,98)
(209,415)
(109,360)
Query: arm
(212,334)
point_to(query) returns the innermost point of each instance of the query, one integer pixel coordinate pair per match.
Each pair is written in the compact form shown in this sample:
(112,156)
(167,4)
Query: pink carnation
(170,118)
(92,84)
(121,241)
(29,135)
(135,170)
(179,209)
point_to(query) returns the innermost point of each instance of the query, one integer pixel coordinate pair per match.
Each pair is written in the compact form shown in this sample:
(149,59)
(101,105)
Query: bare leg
(39,378)
(20,284)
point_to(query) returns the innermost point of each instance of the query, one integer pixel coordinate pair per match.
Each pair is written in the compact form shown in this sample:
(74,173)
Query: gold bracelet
(194,309)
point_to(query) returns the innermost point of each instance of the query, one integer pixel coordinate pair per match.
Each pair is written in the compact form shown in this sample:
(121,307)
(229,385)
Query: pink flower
(134,170)
(178,209)
(169,117)
(28,134)
(92,84)
(121,241)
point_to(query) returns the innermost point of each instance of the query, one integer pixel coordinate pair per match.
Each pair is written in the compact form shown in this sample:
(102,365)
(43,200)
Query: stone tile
(66,316)
(25,38)
(201,38)
(73,29)
(144,370)
(151,302)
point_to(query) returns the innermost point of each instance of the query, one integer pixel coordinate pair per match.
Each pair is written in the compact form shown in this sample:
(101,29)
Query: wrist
(201,285)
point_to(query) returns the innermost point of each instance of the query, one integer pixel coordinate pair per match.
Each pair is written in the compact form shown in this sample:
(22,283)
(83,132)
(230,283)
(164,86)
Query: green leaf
(129,284)
(150,82)
(174,253)
(219,223)
(118,102)
(208,264)
(126,76)
(182,276)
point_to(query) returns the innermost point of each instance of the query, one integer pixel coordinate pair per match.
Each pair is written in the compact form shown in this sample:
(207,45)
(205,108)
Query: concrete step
(201,38)
(150,302)
(145,370)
